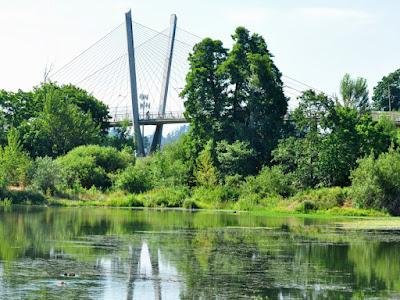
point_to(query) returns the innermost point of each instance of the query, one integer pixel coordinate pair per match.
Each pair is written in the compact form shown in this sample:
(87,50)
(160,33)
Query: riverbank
(324,202)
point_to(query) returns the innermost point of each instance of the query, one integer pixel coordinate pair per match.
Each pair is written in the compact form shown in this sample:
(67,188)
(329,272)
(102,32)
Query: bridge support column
(134,96)
(156,143)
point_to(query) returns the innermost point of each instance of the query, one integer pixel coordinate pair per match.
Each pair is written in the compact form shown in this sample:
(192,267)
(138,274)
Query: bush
(190,204)
(25,197)
(135,179)
(254,201)
(212,197)
(320,199)
(376,183)
(164,197)
(127,201)
(93,165)
(45,175)
(270,182)
(14,162)
(235,158)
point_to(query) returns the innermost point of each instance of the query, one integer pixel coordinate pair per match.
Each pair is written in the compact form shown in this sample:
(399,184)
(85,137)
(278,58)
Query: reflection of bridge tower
(134,270)
(164,89)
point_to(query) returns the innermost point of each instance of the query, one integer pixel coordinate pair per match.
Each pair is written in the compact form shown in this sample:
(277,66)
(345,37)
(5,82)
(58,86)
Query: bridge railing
(125,113)
(169,115)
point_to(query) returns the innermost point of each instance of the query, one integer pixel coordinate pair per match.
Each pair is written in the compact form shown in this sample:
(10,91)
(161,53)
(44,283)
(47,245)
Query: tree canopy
(235,95)
(387,92)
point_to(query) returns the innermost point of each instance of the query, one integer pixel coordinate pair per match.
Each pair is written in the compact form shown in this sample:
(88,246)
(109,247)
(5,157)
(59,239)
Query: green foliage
(328,141)
(26,197)
(387,90)
(59,128)
(206,172)
(376,182)
(235,96)
(212,197)
(236,158)
(135,179)
(93,165)
(164,197)
(320,199)
(269,182)
(190,204)
(14,162)
(120,138)
(46,175)
(86,103)
(253,201)
(171,166)
(354,93)
(204,89)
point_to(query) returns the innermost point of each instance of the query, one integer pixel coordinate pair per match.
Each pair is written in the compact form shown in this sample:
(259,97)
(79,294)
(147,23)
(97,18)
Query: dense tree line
(243,149)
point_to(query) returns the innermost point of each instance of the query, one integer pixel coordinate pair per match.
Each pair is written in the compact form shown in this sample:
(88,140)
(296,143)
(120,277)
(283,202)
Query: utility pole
(390,103)
(134,96)
(155,144)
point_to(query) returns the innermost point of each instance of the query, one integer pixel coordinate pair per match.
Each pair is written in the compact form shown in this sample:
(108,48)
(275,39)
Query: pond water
(96,253)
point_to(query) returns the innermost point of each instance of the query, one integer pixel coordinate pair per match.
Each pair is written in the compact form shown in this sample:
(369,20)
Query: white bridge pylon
(138,72)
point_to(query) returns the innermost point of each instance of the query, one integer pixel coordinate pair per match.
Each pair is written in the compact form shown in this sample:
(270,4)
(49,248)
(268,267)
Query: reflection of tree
(215,254)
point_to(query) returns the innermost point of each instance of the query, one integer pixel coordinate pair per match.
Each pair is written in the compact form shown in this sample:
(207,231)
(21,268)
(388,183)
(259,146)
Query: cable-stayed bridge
(139,72)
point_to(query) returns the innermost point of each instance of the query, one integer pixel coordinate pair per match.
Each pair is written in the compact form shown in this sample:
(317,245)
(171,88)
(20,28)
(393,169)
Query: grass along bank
(322,202)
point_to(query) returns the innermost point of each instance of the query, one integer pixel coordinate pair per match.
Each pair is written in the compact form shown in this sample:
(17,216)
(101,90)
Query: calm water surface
(96,253)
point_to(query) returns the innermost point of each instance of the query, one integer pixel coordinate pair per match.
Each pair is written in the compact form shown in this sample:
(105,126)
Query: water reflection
(48,253)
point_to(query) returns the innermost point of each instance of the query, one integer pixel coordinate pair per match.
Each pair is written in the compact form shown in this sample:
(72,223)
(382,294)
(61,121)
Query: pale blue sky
(313,41)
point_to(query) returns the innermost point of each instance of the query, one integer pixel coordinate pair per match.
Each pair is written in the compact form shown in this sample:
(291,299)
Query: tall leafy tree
(257,104)
(60,127)
(354,93)
(14,161)
(235,95)
(299,155)
(86,102)
(205,90)
(387,92)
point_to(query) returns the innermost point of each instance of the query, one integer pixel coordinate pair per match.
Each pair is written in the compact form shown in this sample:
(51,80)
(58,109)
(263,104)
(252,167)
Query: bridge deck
(179,118)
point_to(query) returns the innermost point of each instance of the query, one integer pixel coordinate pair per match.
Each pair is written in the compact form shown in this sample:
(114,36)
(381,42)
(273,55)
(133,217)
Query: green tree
(387,92)
(235,159)
(14,161)
(18,106)
(256,105)
(93,165)
(206,172)
(376,183)
(354,93)
(205,90)
(235,96)
(60,127)
(299,155)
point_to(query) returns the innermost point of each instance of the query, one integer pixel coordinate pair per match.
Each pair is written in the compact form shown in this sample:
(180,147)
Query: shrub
(45,175)
(93,165)
(306,206)
(235,158)
(127,201)
(135,179)
(270,181)
(212,197)
(253,201)
(321,199)
(164,197)
(190,204)
(25,197)
(376,183)
(14,162)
